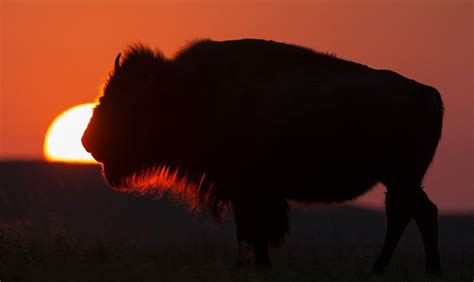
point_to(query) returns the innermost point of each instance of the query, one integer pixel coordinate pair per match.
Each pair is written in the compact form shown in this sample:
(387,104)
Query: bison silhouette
(244,125)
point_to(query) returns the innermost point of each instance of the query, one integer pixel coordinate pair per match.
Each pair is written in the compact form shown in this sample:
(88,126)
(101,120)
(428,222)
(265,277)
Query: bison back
(309,126)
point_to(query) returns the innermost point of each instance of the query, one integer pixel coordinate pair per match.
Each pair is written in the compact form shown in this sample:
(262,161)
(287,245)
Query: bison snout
(86,143)
(91,146)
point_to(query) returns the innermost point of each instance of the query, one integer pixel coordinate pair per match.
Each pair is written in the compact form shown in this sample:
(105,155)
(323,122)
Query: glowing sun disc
(63,139)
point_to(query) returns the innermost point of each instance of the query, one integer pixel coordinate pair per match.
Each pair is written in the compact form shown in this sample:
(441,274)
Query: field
(62,223)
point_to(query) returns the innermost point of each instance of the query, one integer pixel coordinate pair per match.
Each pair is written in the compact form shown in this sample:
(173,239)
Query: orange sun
(63,139)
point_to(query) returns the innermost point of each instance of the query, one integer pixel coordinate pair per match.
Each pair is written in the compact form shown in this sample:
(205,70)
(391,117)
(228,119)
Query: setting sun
(63,139)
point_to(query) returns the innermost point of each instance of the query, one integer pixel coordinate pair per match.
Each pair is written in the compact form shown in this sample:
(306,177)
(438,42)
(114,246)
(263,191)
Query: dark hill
(39,195)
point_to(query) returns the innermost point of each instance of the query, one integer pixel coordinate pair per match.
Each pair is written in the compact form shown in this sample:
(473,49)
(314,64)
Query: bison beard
(245,125)
(194,193)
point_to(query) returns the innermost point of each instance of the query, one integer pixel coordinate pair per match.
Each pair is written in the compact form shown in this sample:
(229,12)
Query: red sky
(55,54)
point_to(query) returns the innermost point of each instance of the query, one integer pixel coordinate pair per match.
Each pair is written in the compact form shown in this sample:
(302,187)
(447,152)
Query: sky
(55,54)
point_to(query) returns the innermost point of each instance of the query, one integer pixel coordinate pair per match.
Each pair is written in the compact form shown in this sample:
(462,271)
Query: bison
(245,125)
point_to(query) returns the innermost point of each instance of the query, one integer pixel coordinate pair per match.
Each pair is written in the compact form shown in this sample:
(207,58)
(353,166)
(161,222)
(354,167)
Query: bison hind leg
(404,202)
(426,218)
(397,220)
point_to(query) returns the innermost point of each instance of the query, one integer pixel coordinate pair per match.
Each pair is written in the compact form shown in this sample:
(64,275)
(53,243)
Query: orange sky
(54,55)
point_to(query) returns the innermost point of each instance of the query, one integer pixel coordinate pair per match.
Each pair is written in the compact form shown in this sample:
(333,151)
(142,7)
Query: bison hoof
(434,272)
(378,269)
(263,267)
(244,255)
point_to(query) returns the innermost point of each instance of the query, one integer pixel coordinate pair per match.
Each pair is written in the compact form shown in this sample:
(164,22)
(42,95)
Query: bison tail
(434,126)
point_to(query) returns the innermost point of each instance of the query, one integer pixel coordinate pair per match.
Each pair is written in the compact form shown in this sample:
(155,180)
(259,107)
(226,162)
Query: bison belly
(330,141)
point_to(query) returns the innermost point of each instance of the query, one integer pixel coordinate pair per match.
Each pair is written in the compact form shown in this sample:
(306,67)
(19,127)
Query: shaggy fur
(246,125)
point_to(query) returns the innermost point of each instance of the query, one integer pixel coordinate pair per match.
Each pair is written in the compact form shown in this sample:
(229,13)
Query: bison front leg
(244,254)
(248,235)
(259,223)
(260,251)
(262,257)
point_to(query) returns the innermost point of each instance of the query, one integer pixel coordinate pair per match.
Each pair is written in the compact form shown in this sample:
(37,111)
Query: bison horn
(117,62)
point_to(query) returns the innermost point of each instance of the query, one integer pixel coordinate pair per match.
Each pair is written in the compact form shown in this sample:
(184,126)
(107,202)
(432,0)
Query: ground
(62,223)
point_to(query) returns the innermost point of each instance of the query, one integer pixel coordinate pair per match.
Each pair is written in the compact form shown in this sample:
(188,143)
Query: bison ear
(117,62)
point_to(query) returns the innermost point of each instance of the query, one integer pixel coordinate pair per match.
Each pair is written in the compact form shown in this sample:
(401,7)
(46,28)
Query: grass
(56,255)
(62,223)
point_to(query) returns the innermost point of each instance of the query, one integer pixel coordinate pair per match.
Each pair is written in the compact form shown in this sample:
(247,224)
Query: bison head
(132,123)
